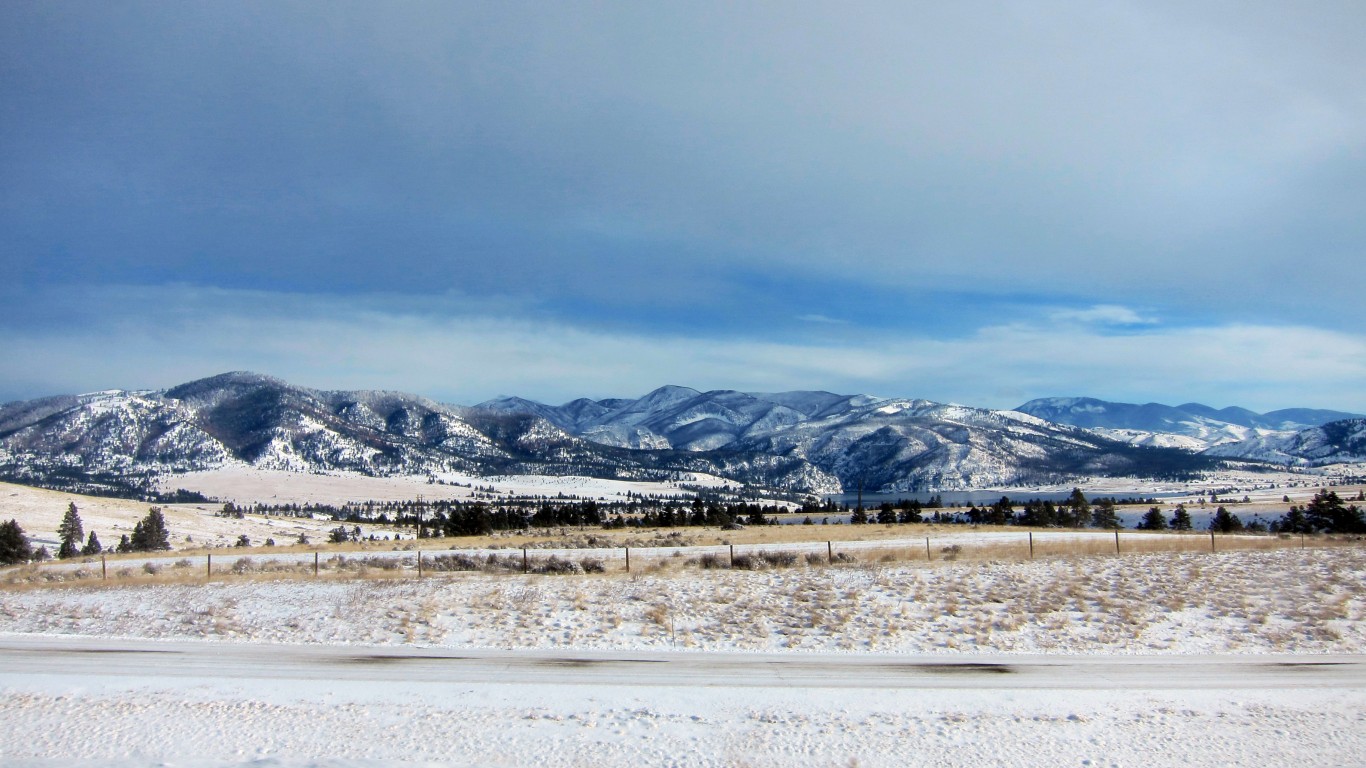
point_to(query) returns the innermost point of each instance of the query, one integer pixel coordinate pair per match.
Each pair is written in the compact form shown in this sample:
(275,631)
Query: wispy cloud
(817,318)
(1102,314)
(325,342)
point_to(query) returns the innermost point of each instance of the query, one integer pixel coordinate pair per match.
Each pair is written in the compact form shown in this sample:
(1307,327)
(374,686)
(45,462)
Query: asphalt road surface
(78,657)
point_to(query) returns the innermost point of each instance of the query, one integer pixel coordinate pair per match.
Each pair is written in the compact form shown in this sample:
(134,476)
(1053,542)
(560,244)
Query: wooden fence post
(315,563)
(1116,542)
(525,565)
(419,563)
(830,552)
(732,556)
(1211,542)
(628,559)
(208,568)
(927,549)
(104,569)
(1031,545)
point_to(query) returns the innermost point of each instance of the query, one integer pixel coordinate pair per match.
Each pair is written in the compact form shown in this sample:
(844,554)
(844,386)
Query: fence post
(419,563)
(208,568)
(628,559)
(1031,545)
(732,556)
(1116,542)
(525,565)
(315,563)
(830,552)
(1211,542)
(104,569)
(927,549)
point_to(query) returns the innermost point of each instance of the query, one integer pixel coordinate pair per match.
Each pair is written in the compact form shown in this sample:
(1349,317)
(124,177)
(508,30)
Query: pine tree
(1181,519)
(1153,521)
(1104,515)
(1078,510)
(92,545)
(1327,512)
(150,533)
(14,545)
(70,532)
(1224,522)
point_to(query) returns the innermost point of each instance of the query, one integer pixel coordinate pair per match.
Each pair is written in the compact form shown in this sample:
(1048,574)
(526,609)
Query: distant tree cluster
(1325,513)
(149,534)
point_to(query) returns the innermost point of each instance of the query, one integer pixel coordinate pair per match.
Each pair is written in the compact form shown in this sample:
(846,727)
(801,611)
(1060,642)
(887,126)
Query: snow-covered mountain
(116,441)
(804,441)
(684,418)
(1191,426)
(884,444)
(1336,442)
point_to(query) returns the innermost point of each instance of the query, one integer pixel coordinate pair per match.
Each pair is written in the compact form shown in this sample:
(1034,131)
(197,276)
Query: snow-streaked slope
(1154,424)
(1337,442)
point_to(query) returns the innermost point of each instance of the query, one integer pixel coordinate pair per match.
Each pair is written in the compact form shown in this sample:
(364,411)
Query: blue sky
(1143,201)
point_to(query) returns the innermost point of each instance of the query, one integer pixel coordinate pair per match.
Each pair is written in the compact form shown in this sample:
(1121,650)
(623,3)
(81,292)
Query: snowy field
(244,484)
(1231,658)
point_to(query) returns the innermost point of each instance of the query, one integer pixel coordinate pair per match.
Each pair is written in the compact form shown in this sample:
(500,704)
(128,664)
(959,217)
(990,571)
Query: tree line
(150,534)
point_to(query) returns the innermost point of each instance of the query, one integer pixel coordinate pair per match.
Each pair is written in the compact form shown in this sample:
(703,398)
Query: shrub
(558,566)
(711,561)
(593,565)
(779,559)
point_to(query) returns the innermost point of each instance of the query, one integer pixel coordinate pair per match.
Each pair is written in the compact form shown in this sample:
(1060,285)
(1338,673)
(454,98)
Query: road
(83,657)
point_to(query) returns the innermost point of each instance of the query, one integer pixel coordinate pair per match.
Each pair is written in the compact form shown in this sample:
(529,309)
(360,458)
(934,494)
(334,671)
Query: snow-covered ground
(1284,601)
(765,649)
(39,512)
(137,704)
(243,484)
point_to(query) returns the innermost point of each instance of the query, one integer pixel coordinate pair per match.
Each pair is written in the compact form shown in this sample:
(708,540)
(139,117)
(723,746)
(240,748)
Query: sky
(966,202)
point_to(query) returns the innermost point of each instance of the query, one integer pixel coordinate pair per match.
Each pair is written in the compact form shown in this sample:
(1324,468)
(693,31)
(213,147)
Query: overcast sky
(964,202)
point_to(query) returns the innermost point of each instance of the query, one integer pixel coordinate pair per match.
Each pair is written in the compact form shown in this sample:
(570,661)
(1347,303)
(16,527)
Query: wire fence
(420,563)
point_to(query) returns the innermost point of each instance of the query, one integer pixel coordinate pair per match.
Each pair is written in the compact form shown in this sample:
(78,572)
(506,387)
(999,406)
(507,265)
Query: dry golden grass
(933,545)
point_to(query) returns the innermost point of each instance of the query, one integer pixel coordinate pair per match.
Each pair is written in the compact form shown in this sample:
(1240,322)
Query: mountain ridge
(802,441)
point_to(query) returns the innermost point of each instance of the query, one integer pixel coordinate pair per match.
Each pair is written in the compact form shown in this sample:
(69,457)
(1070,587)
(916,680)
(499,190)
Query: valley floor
(1143,659)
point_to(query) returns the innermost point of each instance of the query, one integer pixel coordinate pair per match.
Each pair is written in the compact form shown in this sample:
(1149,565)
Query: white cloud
(1102,314)
(158,338)
(818,318)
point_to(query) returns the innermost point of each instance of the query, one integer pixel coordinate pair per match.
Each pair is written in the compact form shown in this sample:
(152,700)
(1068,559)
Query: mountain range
(1191,426)
(813,442)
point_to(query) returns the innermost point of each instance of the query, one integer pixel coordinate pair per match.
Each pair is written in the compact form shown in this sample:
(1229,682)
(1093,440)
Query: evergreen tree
(859,516)
(1294,521)
(1152,521)
(14,545)
(125,544)
(92,545)
(910,514)
(1104,515)
(150,533)
(1224,522)
(70,532)
(1327,512)
(1181,519)
(1078,511)
(1001,513)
